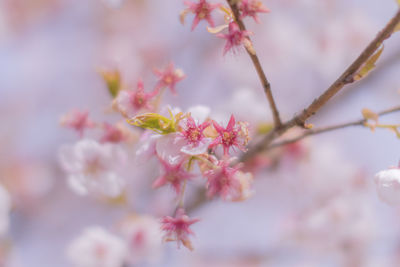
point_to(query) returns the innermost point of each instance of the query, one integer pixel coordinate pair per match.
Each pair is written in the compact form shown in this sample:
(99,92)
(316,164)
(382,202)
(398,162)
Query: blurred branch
(360,122)
(256,62)
(346,78)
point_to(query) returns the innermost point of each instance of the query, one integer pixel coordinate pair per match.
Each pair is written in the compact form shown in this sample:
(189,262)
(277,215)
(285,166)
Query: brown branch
(256,62)
(346,78)
(360,122)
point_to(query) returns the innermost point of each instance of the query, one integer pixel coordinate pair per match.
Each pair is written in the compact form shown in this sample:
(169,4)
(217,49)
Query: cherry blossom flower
(112,134)
(143,237)
(5,207)
(192,133)
(234,135)
(169,148)
(77,120)
(174,174)
(388,186)
(178,228)
(169,77)
(96,247)
(235,37)
(250,8)
(93,167)
(129,102)
(228,182)
(202,11)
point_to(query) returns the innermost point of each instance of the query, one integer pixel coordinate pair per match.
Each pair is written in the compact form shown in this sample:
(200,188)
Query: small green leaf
(264,128)
(369,114)
(113,81)
(368,66)
(157,122)
(397,28)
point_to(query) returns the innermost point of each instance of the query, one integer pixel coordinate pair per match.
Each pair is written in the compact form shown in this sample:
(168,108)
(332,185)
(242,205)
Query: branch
(346,78)
(256,62)
(360,122)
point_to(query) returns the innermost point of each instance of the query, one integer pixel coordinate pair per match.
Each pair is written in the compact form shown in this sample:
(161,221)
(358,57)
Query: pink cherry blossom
(234,135)
(142,235)
(235,37)
(177,229)
(173,174)
(223,181)
(112,134)
(77,120)
(129,102)
(169,77)
(250,8)
(192,133)
(97,247)
(202,11)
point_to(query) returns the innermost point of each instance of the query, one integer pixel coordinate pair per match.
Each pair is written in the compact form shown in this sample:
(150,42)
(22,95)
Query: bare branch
(359,122)
(260,72)
(346,78)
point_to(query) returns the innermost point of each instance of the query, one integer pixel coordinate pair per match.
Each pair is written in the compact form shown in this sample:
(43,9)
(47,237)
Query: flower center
(93,166)
(139,99)
(227,138)
(168,79)
(194,135)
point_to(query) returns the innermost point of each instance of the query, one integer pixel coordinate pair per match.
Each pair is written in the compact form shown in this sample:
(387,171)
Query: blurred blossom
(27,180)
(5,207)
(96,247)
(387,184)
(143,237)
(93,167)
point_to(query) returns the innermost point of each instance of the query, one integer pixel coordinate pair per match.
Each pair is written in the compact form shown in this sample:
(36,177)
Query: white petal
(200,113)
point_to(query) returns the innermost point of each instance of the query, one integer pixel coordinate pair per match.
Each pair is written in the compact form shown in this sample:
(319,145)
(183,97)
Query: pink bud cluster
(236,36)
(130,102)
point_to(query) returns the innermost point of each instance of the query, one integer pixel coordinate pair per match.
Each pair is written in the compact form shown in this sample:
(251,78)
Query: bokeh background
(50,51)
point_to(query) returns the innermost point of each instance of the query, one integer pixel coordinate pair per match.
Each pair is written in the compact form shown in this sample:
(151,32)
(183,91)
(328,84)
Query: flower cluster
(236,35)
(187,144)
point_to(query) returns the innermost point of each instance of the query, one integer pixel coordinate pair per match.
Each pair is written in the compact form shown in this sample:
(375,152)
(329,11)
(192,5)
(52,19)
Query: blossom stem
(256,62)
(346,78)
(182,196)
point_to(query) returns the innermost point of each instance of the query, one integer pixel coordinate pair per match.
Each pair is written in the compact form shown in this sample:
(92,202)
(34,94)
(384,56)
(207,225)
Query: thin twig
(346,78)
(256,62)
(360,122)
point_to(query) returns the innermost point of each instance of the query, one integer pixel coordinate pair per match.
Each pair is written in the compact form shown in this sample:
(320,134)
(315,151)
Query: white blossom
(5,206)
(388,186)
(96,247)
(143,237)
(93,167)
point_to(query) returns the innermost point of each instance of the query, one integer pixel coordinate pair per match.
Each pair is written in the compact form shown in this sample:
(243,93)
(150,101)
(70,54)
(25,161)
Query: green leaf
(369,115)
(113,81)
(264,128)
(157,122)
(368,66)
